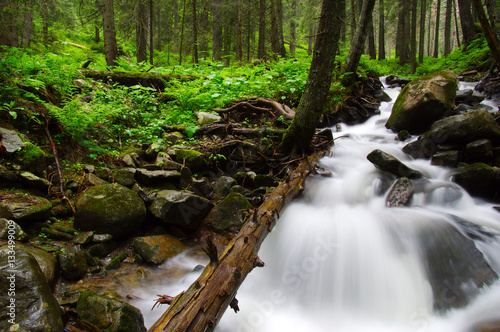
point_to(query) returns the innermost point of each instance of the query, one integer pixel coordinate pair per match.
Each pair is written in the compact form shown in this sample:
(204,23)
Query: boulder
(30,180)
(478,179)
(180,208)
(457,270)
(222,186)
(480,150)
(157,248)
(24,208)
(157,177)
(125,176)
(228,214)
(447,158)
(101,250)
(10,227)
(10,140)
(110,208)
(36,308)
(391,164)
(109,314)
(400,194)
(423,101)
(465,128)
(205,118)
(194,160)
(73,265)
(423,148)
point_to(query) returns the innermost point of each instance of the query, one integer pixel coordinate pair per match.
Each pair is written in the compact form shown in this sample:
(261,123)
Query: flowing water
(340,260)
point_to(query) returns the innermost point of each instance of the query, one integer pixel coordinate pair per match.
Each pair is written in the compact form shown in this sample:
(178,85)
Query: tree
(381,31)
(466,22)
(195,33)
(421,44)
(489,34)
(261,51)
(109,33)
(141,32)
(8,29)
(371,40)
(436,40)
(27,24)
(356,49)
(413,43)
(216,30)
(447,27)
(492,8)
(298,135)
(293,27)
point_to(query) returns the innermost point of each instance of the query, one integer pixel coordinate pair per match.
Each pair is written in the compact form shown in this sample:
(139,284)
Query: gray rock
(10,227)
(478,179)
(95,180)
(391,164)
(480,150)
(109,314)
(31,180)
(10,140)
(400,193)
(101,238)
(36,308)
(155,178)
(465,128)
(228,214)
(423,101)
(180,208)
(222,185)
(24,208)
(101,250)
(110,209)
(83,237)
(205,118)
(125,176)
(447,158)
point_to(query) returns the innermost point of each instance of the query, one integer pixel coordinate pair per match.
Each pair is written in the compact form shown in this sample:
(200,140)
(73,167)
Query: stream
(340,260)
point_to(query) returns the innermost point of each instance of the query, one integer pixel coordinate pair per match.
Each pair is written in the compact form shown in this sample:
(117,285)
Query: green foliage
(31,154)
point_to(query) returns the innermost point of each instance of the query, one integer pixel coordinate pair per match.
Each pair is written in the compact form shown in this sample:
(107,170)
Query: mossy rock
(194,160)
(101,250)
(228,214)
(109,314)
(73,265)
(479,180)
(157,248)
(111,209)
(24,208)
(423,101)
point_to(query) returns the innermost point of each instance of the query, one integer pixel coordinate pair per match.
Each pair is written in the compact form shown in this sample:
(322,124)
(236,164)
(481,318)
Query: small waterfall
(339,260)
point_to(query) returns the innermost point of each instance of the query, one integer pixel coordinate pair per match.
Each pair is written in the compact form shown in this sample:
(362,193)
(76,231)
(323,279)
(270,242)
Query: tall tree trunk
(438,19)
(182,30)
(151,34)
(489,34)
(195,33)
(279,14)
(98,21)
(275,40)
(381,31)
(467,22)
(216,30)
(141,32)
(310,43)
(413,42)
(400,31)
(159,32)
(293,27)
(240,30)
(27,24)
(356,49)
(494,15)
(249,29)
(421,43)
(109,32)
(261,51)
(45,22)
(457,33)
(175,32)
(299,134)
(447,28)
(371,40)
(353,20)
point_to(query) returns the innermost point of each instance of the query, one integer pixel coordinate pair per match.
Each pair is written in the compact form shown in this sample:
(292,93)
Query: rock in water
(400,193)
(157,248)
(110,208)
(391,164)
(423,101)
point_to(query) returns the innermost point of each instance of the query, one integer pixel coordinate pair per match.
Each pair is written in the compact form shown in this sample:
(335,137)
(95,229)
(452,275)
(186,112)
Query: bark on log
(279,109)
(202,305)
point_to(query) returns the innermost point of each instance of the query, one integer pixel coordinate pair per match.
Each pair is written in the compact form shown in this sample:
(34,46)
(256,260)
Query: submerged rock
(157,248)
(391,164)
(110,208)
(109,314)
(478,179)
(423,101)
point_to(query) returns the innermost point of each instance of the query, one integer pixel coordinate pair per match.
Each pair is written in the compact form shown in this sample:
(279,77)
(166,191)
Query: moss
(193,159)
(31,154)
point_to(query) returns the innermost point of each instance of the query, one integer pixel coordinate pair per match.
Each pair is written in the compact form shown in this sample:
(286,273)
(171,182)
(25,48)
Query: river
(340,260)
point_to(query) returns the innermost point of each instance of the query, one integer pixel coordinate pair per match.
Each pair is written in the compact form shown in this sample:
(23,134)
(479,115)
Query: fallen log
(255,105)
(202,305)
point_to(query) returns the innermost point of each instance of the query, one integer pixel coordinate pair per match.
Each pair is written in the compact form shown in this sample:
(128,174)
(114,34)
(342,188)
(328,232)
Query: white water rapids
(340,260)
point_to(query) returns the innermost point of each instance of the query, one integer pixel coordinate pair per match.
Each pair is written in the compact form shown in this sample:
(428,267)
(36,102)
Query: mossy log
(145,79)
(202,305)
(259,105)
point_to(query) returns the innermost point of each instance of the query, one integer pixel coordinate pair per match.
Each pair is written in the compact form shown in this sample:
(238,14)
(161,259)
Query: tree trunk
(413,42)
(275,40)
(381,31)
(175,32)
(489,34)
(27,24)
(202,305)
(151,34)
(182,30)
(467,22)
(261,52)
(216,30)
(438,19)
(421,44)
(141,32)
(494,15)
(8,28)
(195,33)
(356,49)
(279,15)
(109,33)
(293,27)
(447,28)
(353,20)
(299,134)
(97,22)
(240,30)
(371,40)
(457,33)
